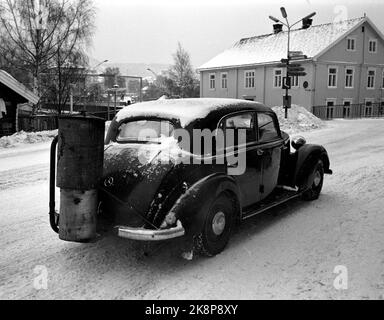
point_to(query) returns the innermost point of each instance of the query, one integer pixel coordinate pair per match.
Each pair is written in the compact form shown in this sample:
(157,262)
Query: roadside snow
(23,137)
(299,120)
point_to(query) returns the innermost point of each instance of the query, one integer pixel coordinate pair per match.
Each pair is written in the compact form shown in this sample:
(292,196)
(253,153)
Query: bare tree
(47,38)
(182,74)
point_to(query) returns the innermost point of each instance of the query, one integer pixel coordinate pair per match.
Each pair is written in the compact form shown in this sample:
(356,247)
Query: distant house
(344,66)
(14,98)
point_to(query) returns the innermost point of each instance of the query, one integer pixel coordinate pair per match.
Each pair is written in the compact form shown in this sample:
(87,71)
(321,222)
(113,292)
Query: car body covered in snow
(155,188)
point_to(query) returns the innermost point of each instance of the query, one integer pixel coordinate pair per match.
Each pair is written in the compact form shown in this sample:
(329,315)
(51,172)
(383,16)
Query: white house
(344,66)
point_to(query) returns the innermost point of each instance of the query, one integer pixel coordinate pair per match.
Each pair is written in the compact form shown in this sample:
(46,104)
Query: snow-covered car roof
(187,110)
(271,48)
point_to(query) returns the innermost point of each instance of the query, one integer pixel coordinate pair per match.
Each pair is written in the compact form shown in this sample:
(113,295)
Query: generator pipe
(52,210)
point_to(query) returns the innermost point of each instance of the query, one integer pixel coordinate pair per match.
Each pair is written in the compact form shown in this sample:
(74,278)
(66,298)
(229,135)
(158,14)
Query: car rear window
(144,131)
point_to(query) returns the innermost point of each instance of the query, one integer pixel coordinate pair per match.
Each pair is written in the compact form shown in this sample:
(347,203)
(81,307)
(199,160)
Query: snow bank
(23,137)
(299,119)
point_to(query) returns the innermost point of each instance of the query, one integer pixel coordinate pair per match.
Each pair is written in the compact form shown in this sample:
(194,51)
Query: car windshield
(145,131)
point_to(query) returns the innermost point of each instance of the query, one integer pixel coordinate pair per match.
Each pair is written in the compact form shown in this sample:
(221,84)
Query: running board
(264,205)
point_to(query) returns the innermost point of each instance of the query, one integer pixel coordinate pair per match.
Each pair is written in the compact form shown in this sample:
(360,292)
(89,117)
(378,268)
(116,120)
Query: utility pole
(287,99)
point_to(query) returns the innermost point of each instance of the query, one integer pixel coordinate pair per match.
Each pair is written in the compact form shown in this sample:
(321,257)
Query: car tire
(316,184)
(217,227)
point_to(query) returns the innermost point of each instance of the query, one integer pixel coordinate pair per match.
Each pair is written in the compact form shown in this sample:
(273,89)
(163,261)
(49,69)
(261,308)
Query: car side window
(267,130)
(243,121)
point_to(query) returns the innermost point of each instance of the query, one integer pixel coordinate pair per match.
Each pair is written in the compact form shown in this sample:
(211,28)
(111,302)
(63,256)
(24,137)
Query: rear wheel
(217,227)
(315,183)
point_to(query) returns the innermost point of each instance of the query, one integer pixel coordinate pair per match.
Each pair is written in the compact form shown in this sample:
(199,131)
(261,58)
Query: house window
(294,81)
(381,108)
(351,44)
(224,80)
(347,108)
(368,107)
(349,73)
(212,81)
(249,79)
(332,77)
(371,78)
(372,46)
(277,78)
(330,107)
(382,79)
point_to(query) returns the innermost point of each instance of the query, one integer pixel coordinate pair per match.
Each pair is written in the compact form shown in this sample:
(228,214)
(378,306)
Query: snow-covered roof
(17,87)
(271,48)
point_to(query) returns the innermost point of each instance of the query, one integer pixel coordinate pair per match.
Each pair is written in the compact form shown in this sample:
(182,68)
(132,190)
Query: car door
(250,179)
(270,145)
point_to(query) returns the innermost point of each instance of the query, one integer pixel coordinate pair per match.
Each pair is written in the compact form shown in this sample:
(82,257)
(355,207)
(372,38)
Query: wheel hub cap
(218,223)
(317,179)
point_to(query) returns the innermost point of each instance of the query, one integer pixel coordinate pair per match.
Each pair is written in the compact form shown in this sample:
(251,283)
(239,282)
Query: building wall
(360,59)
(263,91)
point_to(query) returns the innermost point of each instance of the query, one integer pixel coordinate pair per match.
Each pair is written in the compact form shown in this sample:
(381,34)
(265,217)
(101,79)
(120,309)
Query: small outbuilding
(14,98)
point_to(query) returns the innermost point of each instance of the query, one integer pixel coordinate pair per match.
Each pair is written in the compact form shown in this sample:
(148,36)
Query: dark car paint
(153,190)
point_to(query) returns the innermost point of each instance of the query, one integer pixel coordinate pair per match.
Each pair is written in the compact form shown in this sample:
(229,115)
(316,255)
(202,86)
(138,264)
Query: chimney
(307,23)
(278,27)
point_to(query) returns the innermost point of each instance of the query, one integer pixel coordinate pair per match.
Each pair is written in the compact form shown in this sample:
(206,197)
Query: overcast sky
(147,31)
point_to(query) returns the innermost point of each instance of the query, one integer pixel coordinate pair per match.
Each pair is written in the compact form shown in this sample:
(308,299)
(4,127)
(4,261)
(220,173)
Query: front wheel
(316,183)
(217,227)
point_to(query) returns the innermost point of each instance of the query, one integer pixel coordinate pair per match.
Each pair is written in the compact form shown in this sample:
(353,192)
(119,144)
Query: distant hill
(138,69)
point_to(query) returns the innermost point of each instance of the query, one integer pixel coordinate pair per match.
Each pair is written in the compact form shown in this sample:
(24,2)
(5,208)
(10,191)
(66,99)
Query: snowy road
(288,253)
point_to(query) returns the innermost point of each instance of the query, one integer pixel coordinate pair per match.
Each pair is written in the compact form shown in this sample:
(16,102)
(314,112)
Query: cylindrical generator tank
(79,168)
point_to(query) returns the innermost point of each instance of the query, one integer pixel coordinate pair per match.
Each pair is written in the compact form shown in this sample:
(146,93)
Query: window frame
(280,76)
(222,126)
(353,39)
(372,100)
(353,77)
(275,123)
(253,77)
(214,82)
(298,82)
(334,100)
(372,40)
(335,74)
(382,79)
(350,100)
(374,78)
(222,79)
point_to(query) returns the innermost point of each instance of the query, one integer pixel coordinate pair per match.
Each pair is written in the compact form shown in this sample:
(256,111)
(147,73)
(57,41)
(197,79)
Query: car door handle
(260,152)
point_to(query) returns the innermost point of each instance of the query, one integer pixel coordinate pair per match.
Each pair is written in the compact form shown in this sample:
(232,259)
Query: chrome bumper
(151,235)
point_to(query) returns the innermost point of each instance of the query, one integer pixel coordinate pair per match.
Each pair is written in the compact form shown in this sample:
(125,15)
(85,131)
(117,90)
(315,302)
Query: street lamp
(289,27)
(99,64)
(153,72)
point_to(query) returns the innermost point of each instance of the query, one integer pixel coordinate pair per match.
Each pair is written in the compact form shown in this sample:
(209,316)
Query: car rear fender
(192,206)
(307,156)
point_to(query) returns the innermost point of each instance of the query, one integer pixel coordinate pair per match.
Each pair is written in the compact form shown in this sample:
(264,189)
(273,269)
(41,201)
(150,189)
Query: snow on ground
(289,252)
(299,120)
(23,137)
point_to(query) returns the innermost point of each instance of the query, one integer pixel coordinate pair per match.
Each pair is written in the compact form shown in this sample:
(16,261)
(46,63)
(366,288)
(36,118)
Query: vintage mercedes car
(154,187)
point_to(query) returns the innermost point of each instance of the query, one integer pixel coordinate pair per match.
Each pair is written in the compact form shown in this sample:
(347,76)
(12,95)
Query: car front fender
(307,156)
